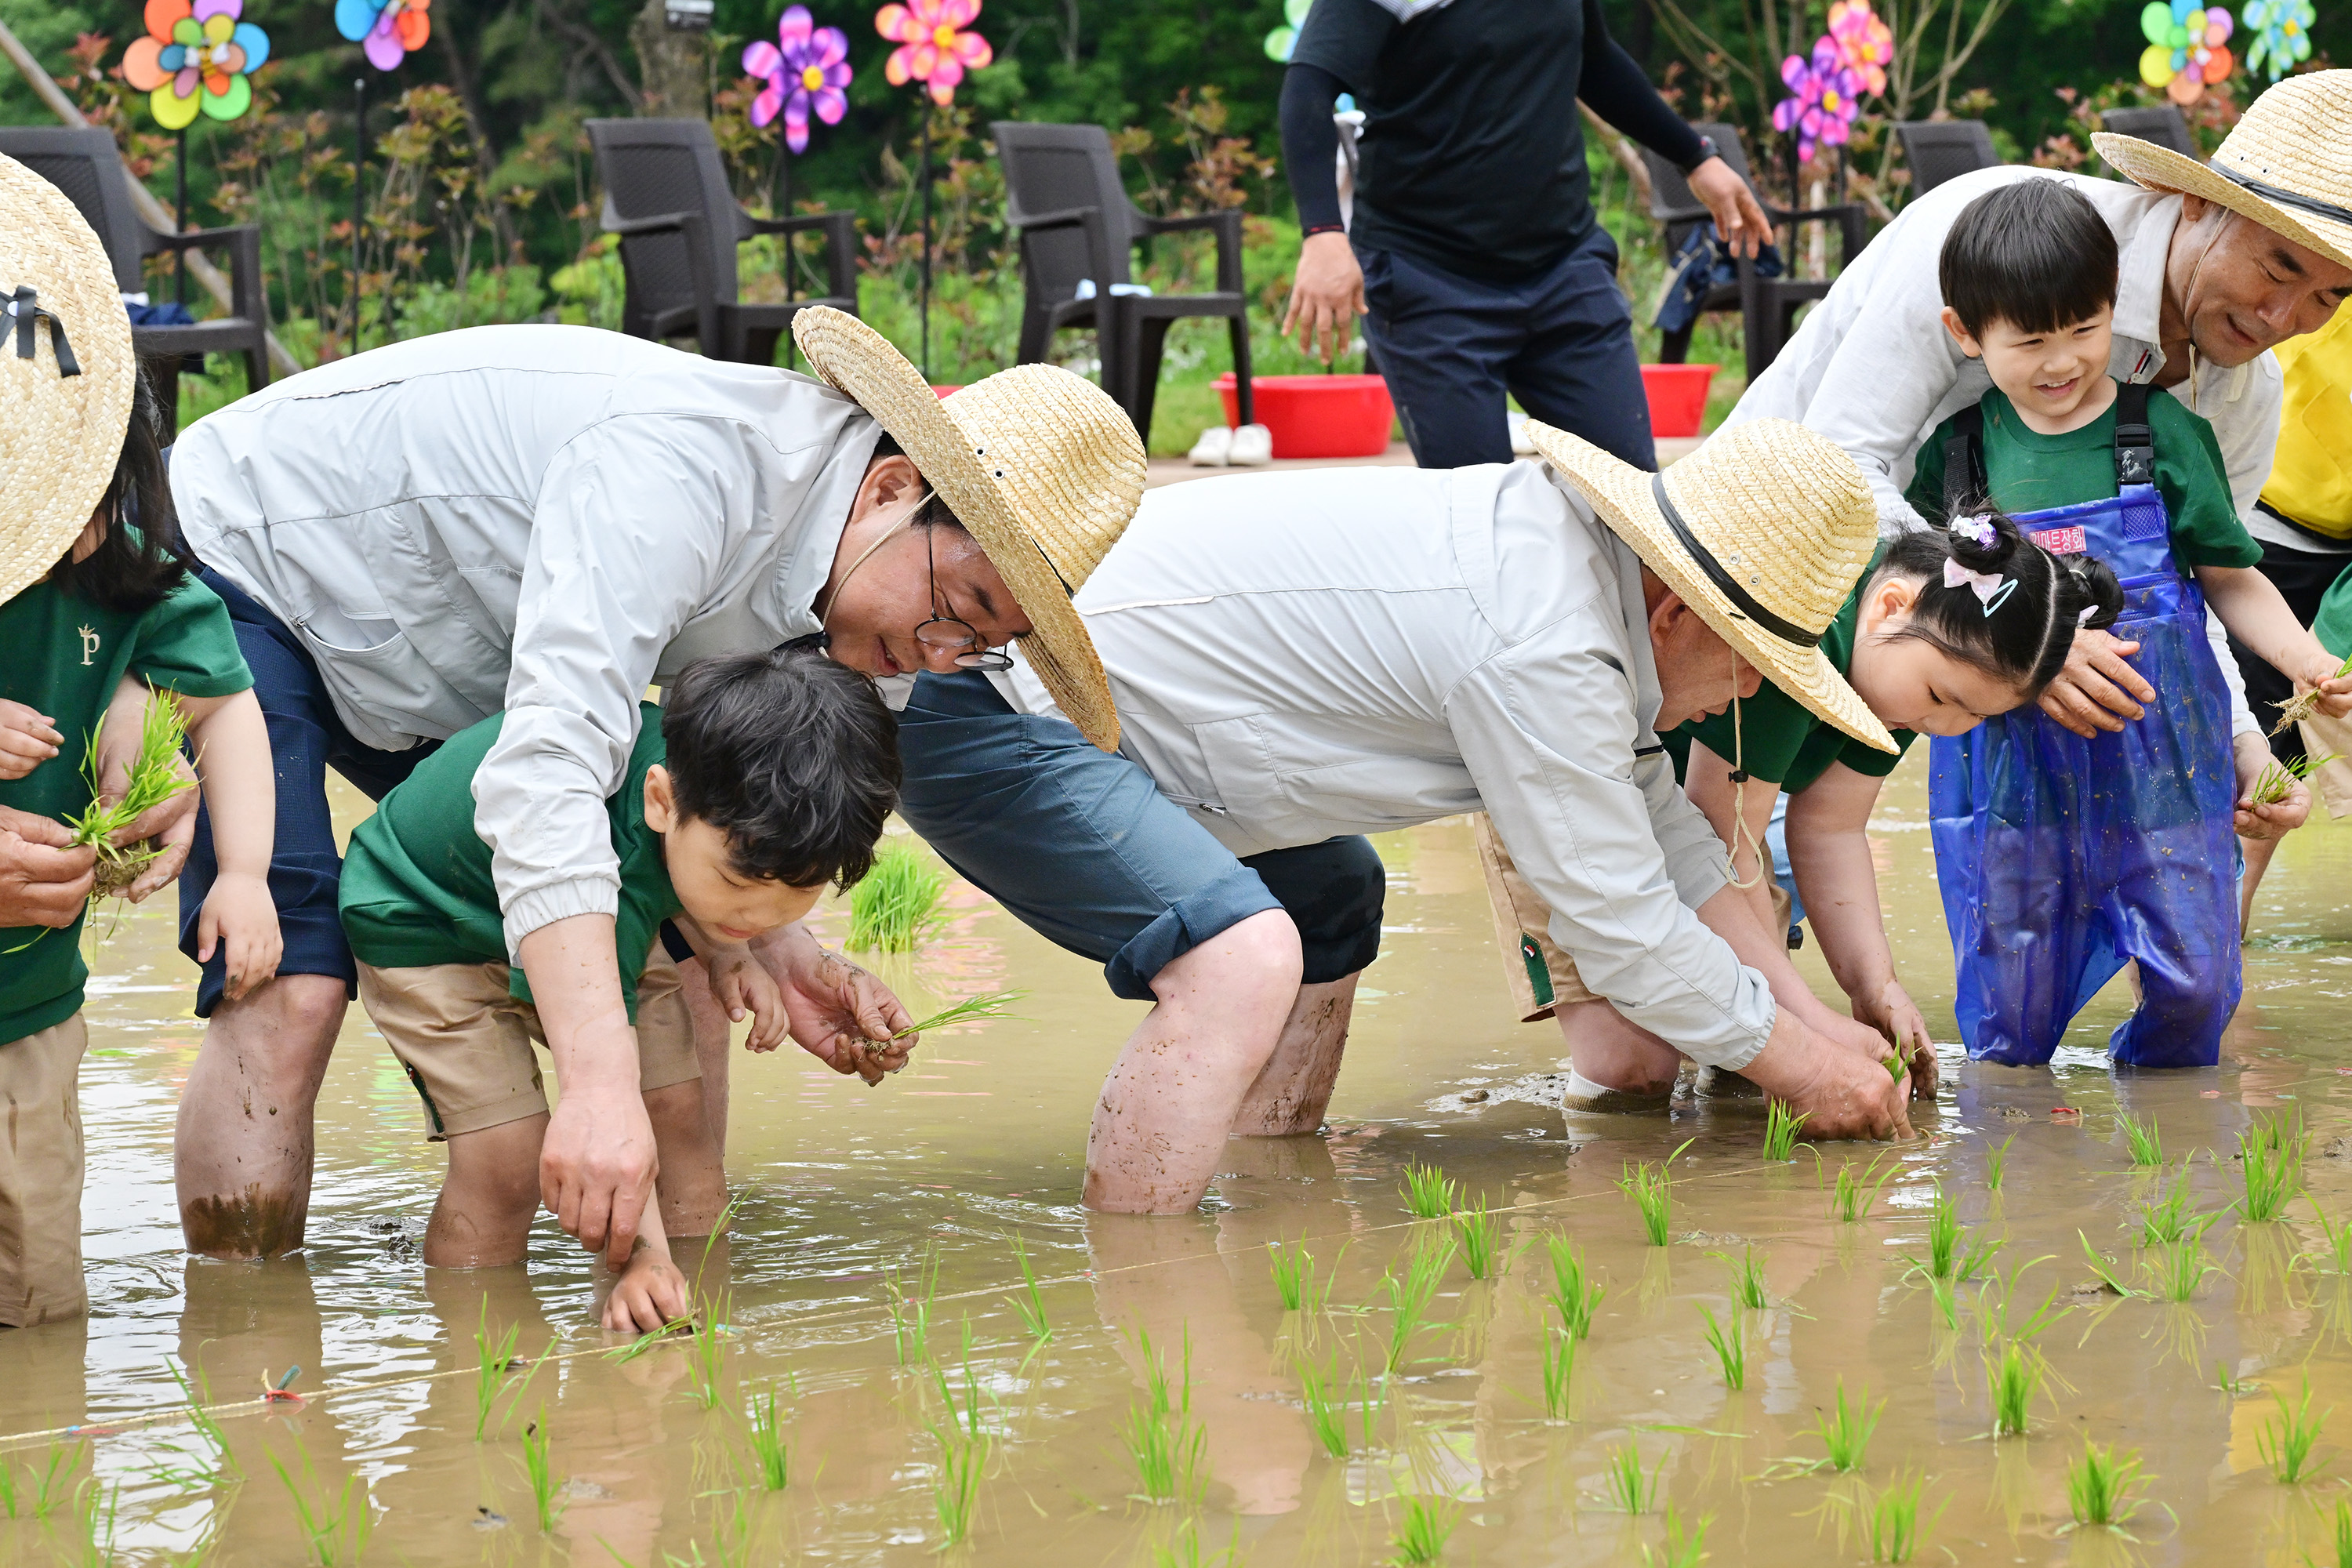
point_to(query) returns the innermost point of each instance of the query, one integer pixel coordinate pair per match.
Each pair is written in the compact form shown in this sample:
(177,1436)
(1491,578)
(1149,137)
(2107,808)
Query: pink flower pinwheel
(1864,42)
(933,48)
(805,69)
(196,57)
(1827,97)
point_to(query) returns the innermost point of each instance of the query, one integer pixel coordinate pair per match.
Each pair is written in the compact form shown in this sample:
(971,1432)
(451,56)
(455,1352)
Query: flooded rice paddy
(875,1321)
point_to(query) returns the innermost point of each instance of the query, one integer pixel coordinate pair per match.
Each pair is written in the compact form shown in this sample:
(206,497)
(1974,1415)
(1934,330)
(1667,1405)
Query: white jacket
(1301,654)
(541,520)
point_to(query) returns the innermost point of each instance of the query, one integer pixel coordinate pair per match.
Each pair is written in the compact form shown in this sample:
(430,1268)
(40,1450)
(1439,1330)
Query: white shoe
(1520,445)
(1252,446)
(1214,448)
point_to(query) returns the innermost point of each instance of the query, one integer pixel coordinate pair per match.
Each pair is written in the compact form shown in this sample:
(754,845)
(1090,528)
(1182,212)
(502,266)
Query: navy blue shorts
(306,739)
(1086,851)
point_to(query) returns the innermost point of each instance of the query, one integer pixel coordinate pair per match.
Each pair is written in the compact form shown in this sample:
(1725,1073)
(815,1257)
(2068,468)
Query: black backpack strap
(2134,442)
(1964,475)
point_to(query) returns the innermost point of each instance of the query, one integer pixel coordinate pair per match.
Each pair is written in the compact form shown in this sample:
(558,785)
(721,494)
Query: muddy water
(845,1190)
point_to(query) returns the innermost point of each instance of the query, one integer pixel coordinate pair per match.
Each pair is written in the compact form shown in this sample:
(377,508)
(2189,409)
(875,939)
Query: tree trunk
(670,70)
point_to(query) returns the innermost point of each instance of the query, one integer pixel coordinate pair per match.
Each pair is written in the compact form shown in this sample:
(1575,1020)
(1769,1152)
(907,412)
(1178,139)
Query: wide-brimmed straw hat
(2287,163)
(1039,465)
(66,375)
(1762,532)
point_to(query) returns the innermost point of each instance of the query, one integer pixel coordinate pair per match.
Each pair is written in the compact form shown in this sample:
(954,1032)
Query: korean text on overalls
(2061,858)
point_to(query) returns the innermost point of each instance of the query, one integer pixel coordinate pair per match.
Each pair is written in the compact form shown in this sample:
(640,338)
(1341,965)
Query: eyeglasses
(946,634)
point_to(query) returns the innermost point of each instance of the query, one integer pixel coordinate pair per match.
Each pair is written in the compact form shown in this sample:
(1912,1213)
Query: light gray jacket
(1301,654)
(541,520)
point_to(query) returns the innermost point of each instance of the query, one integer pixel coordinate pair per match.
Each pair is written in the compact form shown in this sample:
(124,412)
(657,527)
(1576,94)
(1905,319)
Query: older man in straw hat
(1299,659)
(543,520)
(2219,263)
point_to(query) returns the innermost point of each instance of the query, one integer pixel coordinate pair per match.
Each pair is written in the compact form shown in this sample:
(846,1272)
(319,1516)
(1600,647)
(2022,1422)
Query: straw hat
(1042,466)
(2287,164)
(1762,532)
(66,375)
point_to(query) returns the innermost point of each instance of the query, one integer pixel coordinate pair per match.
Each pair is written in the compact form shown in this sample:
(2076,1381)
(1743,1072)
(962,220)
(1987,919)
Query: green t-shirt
(417,887)
(1780,742)
(2030,471)
(2333,625)
(65,655)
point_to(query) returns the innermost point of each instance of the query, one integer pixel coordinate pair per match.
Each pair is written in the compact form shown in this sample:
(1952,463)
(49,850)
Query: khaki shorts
(1541,977)
(2323,736)
(467,1042)
(40,1177)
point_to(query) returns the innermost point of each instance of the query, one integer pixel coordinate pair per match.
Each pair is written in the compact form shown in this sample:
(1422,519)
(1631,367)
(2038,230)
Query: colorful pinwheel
(1827,95)
(805,68)
(391,30)
(2184,54)
(1864,42)
(1283,40)
(2281,30)
(195,58)
(933,47)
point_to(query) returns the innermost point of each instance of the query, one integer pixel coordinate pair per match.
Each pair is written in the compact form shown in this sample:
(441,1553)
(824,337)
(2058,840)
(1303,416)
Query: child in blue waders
(2061,857)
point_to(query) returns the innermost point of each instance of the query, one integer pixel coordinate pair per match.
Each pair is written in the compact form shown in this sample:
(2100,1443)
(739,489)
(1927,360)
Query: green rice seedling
(652,1338)
(1945,1294)
(2105,1267)
(155,777)
(2286,1443)
(1430,1192)
(706,1353)
(1997,1162)
(1747,1280)
(970,1010)
(1855,1197)
(1479,1234)
(538,1470)
(955,1491)
(2282,1131)
(334,1530)
(1652,1191)
(1575,1296)
(1845,1434)
(2146,1143)
(1730,1347)
(57,1485)
(1682,1548)
(2170,1222)
(1409,1295)
(494,1359)
(2272,1174)
(1185,1551)
(1893,1526)
(93,1545)
(1558,1371)
(771,1456)
(214,1466)
(910,1314)
(897,903)
(2339,1537)
(2301,706)
(2005,1323)
(1624,1485)
(1326,1416)
(1780,1125)
(2013,1380)
(2181,1269)
(1295,1277)
(2102,1488)
(1952,1255)
(1428,1522)
(2337,1258)
(1166,1443)
(1031,1302)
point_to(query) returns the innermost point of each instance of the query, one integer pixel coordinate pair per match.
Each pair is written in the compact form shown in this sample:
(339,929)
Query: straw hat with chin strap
(66,375)
(2287,163)
(1040,466)
(1762,532)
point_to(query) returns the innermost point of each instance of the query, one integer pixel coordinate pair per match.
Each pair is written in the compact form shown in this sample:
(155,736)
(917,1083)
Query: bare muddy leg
(2258,853)
(242,1153)
(1607,1050)
(714,1040)
(1294,1089)
(1171,1096)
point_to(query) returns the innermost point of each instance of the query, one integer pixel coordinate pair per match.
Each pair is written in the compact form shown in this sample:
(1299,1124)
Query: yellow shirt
(2311,475)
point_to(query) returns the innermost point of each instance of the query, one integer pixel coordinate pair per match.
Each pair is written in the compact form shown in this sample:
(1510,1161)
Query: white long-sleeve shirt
(1297,655)
(1873,368)
(540,520)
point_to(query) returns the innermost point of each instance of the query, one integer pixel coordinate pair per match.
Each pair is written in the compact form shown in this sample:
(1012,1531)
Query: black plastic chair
(1767,306)
(2162,124)
(84,163)
(1941,150)
(665,195)
(1063,192)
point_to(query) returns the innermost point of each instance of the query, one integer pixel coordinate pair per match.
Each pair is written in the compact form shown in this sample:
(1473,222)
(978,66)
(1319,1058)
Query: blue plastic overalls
(2060,858)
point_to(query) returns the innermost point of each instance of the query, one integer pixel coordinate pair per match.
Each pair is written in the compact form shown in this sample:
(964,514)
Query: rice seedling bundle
(2103,1488)
(1480,1236)
(771,1454)
(2169,1222)
(1845,1432)
(896,904)
(2287,1443)
(1682,1548)
(2302,704)
(1780,1126)
(1326,1413)
(1746,1279)
(1168,1446)
(1996,1162)
(2013,1380)
(1430,1192)
(1295,1277)
(2270,1167)
(1730,1347)
(1031,1302)
(1574,1295)
(1952,1255)
(2146,1142)
(1558,1371)
(1428,1523)
(1626,1486)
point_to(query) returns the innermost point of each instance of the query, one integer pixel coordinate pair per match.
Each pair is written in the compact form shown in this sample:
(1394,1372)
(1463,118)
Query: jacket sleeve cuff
(1747,1051)
(557,902)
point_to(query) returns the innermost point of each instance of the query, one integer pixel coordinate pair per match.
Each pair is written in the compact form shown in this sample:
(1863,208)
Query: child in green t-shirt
(760,779)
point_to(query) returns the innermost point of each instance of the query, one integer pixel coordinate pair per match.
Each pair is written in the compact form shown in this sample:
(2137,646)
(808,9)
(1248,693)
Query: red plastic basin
(1318,416)
(1677,395)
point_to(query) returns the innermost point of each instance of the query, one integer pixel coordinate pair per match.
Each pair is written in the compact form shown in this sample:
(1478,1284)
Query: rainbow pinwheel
(2184,54)
(934,47)
(2281,32)
(807,70)
(391,30)
(1864,42)
(1828,94)
(195,58)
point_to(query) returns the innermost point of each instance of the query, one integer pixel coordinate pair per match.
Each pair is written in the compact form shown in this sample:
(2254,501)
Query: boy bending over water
(759,780)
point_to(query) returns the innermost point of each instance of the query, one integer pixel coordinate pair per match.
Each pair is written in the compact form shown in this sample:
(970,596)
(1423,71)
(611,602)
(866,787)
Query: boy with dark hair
(2060,857)
(760,779)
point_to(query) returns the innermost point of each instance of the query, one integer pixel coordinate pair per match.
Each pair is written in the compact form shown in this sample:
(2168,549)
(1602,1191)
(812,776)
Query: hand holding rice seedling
(2277,780)
(2302,704)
